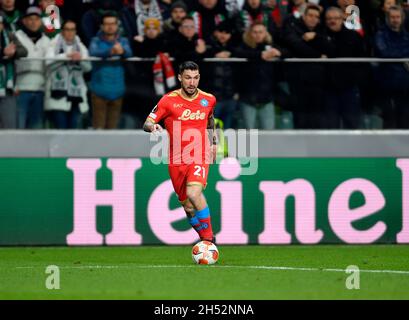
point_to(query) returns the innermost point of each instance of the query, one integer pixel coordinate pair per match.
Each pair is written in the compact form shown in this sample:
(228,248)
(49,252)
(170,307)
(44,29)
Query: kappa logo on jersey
(204,102)
(189,115)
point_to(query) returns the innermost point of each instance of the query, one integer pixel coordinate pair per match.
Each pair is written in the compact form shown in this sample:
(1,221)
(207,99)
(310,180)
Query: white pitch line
(276,268)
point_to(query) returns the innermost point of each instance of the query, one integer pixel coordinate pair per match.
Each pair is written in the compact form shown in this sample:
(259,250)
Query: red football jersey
(186,122)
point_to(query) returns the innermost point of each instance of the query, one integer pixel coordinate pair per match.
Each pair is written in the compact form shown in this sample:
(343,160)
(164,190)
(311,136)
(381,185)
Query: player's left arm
(211,129)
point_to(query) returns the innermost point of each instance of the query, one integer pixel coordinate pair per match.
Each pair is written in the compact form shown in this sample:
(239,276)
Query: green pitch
(246,272)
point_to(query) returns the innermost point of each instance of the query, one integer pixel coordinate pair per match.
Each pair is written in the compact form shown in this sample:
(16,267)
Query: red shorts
(187,174)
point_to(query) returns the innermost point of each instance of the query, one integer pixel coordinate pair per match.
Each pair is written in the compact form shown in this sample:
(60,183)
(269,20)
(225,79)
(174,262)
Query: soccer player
(187,114)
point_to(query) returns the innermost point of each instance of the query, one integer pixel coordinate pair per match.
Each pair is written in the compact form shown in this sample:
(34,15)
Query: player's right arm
(150,126)
(158,113)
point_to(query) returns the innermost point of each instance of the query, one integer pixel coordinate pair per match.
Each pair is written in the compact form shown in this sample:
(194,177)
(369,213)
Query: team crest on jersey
(204,102)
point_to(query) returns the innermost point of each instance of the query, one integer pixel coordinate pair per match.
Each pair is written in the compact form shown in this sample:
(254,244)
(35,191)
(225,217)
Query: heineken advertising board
(131,202)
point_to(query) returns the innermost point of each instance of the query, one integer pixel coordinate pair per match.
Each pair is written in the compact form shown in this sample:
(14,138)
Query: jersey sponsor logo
(189,115)
(204,102)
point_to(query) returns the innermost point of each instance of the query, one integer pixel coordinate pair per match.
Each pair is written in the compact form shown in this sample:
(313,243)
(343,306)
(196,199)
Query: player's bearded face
(189,81)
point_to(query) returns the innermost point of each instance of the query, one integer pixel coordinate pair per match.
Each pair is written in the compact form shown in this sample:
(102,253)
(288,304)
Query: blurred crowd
(47,80)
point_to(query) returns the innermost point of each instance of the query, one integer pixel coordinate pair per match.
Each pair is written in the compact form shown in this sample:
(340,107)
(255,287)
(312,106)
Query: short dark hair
(187,18)
(224,26)
(67,22)
(382,3)
(188,65)
(312,6)
(395,8)
(257,23)
(178,4)
(109,14)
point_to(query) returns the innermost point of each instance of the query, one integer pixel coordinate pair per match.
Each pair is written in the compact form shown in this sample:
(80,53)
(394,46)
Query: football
(205,252)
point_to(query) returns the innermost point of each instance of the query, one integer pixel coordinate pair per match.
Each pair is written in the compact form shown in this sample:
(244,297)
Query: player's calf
(200,221)
(206,232)
(193,220)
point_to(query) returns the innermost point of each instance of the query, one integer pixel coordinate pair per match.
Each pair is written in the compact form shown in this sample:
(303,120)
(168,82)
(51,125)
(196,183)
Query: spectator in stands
(11,15)
(165,8)
(145,9)
(155,78)
(171,26)
(233,7)
(380,19)
(11,49)
(383,9)
(74,10)
(208,14)
(306,80)
(405,7)
(297,10)
(92,19)
(280,9)
(66,91)
(362,22)
(30,73)
(257,84)
(187,45)
(255,10)
(284,8)
(393,78)
(152,43)
(107,79)
(342,97)
(222,75)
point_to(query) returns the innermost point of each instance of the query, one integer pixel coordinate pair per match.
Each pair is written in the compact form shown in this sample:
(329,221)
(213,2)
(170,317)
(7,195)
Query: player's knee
(193,194)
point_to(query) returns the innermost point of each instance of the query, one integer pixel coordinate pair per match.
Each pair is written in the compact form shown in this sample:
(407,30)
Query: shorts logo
(204,102)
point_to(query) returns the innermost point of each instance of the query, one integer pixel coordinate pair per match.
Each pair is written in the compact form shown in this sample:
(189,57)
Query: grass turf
(158,272)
